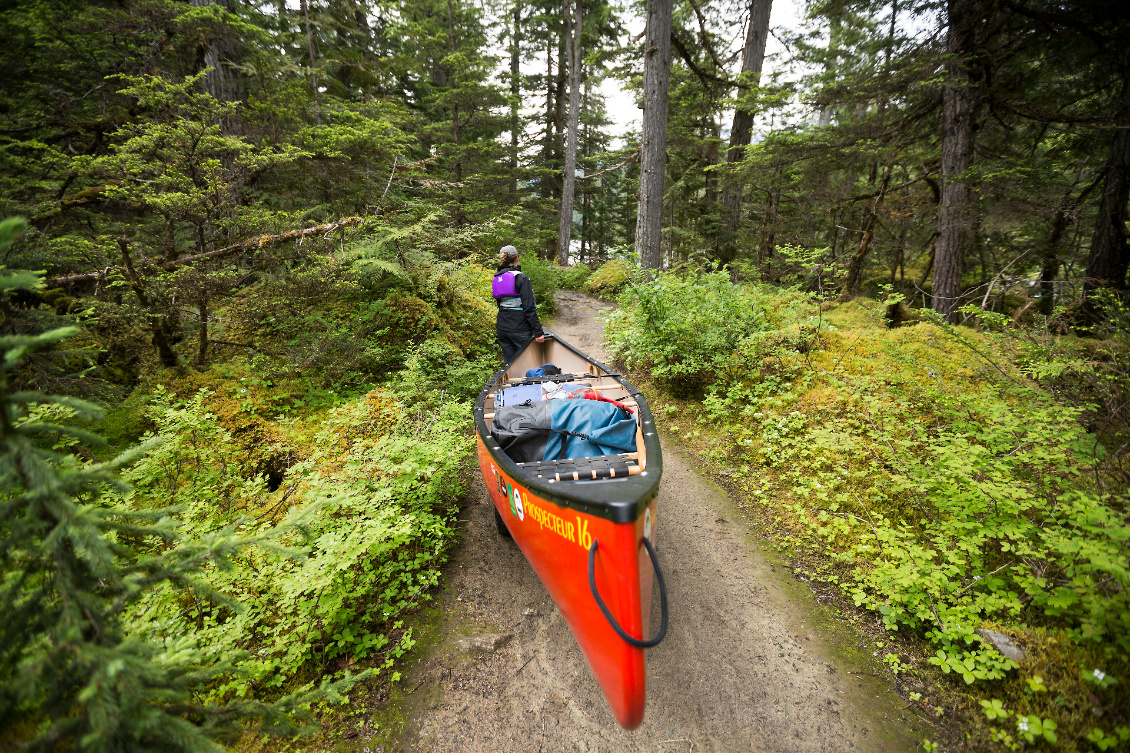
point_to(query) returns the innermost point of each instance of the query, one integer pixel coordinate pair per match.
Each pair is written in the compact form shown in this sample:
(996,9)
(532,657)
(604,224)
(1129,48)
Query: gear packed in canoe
(569,453)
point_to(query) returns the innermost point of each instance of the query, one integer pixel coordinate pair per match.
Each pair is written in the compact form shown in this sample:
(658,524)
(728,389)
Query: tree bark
(898,264)
(653,155)
(457,173)
(1110,247)
(852,284)
(305,9)
(957,156)
(202,347)
(210,59)
(753,59)
(515,100)
(546,189)
(569,182)
(560,103)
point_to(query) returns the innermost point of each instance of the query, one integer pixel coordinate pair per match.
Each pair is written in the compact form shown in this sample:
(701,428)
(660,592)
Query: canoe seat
(581,469)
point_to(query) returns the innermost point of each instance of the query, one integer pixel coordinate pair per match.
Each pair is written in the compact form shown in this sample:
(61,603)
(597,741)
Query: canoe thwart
(557,378)
(581,469)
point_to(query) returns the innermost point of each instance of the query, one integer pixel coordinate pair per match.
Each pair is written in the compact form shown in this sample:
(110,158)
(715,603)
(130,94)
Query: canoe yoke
(556,379)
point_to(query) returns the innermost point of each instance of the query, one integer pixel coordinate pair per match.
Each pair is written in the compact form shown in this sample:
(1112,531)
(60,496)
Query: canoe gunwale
(619,500)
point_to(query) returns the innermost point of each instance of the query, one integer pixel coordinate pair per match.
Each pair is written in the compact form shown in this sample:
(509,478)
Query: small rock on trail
(730,676)
(485,643)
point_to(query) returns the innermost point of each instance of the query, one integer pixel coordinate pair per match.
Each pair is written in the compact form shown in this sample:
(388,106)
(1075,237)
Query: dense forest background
(982,147)
(257,238)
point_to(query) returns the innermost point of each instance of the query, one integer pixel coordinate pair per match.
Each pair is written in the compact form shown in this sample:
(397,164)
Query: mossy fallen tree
(255,243)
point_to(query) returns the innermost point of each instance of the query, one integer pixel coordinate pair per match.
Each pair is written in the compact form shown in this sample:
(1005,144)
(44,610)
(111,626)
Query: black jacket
(524,319)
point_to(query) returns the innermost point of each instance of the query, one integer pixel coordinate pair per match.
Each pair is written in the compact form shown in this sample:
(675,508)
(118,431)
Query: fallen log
(249,244)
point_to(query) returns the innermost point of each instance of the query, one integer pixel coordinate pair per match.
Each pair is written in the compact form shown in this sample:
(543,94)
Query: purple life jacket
(504,285)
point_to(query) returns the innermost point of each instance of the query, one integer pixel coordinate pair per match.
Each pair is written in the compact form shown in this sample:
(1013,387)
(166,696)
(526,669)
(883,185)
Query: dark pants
(513,343)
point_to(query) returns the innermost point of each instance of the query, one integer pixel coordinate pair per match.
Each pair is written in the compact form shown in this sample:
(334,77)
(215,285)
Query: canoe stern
(555,540)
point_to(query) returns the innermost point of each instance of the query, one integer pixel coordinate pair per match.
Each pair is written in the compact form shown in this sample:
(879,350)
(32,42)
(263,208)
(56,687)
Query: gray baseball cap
(507,251)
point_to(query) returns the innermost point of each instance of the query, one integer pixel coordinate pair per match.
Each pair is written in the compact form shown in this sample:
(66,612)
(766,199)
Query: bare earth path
(749,663)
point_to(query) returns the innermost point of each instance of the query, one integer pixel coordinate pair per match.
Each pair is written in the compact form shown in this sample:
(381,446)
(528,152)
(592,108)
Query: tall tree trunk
(1049,269)
(1051,260)
(653,146)
(753,59)
(711,159)
(835,31)
(547,147)
(455,135)
(957,156)
(585,145)
(202,345)
(569,182)
(897,262)
(560,103)
(210,58)
(769,235)
(305,9)
(515,99)
(217,53)
(853,282)
(1110,247)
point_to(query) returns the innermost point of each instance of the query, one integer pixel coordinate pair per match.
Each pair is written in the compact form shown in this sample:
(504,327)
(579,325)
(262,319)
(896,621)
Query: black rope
(636,642)
(572,433)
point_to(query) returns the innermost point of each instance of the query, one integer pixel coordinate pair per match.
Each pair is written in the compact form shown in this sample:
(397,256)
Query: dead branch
(705,36)
(418,163)
(250,244)
(706,77)
(630,158)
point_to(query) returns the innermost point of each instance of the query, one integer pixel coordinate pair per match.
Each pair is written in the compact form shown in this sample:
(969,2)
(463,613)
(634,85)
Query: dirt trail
(749,663)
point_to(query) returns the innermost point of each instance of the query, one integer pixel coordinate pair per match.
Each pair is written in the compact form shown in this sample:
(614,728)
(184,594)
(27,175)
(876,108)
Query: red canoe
(586,526)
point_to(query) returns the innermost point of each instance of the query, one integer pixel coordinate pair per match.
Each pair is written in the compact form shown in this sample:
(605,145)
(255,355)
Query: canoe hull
(555,540)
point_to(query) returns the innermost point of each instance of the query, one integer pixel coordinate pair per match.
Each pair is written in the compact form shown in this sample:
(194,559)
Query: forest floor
(751,661)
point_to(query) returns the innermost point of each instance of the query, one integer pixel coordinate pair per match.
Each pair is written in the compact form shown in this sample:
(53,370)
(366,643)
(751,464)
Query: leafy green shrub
(436,367)
(690,331)
(610,279)
(575,277)
(939,489)
(543,277)
(379,493)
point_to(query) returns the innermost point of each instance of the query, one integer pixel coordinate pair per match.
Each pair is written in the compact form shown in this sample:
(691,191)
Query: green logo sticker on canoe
(517,509)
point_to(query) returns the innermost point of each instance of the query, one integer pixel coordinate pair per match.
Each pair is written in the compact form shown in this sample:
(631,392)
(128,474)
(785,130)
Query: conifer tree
(653,154)
(72,560)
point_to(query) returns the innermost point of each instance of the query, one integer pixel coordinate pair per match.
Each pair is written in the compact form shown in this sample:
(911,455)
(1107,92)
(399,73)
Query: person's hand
(540,339)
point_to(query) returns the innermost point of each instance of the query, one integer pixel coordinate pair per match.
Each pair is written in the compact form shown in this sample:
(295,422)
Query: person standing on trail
(517,322)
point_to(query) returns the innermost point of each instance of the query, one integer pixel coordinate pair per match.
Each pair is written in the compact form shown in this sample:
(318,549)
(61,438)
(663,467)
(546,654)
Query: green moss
(610,279)
(873,448)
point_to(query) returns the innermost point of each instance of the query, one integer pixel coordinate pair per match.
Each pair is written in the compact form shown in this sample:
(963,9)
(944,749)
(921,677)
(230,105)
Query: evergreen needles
(72,559)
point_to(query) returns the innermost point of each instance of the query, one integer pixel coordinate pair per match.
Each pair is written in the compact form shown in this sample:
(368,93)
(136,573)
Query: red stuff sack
(591,394)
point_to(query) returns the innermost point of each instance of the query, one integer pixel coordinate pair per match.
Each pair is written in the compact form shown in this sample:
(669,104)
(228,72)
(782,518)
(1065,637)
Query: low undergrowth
(351,416)
(380,484)
(925,476)
(318,458)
